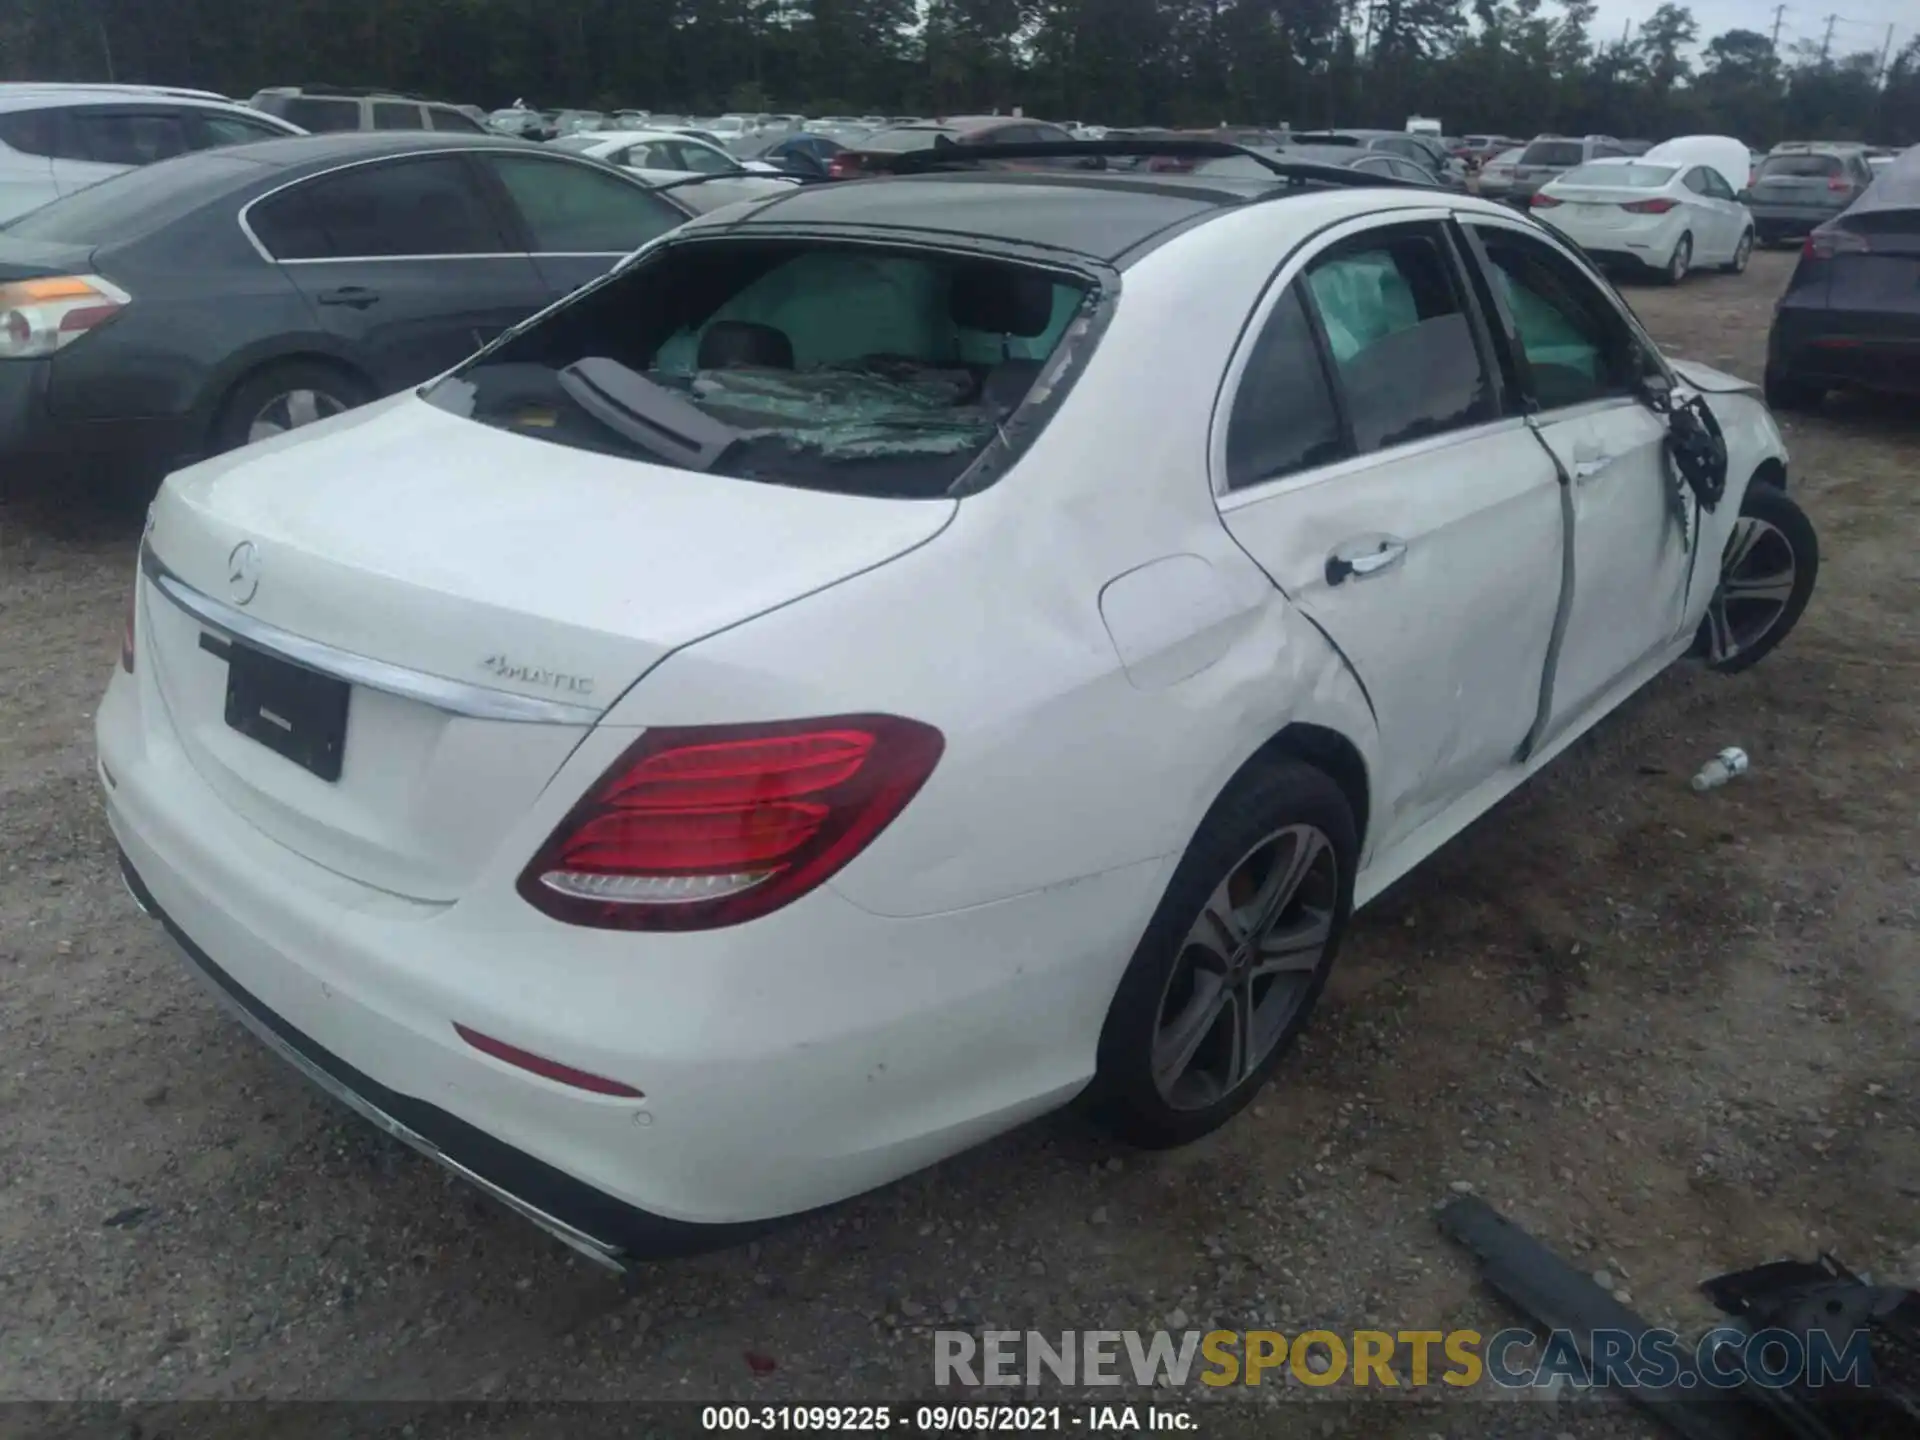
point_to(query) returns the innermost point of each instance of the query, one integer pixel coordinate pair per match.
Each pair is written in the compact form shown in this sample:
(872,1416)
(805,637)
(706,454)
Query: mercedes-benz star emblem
(243,572)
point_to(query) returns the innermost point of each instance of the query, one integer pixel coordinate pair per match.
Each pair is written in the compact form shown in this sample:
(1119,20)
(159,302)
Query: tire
(1772,558)
(1742,253)
(1680,262)
(1786,392)
(273,393)
(1276,816)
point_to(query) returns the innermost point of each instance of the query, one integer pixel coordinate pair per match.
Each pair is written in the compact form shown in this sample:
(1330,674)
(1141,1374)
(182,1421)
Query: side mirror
(1656,388)
(1745,197)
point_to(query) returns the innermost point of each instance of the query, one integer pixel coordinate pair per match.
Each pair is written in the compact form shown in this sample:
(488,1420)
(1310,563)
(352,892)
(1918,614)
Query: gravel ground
(1671,1034)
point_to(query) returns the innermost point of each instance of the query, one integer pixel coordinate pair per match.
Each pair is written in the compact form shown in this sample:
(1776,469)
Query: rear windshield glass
(1553,152)
(138,202)
(857,370)
(1777,167)
(901,141)
(1636,177)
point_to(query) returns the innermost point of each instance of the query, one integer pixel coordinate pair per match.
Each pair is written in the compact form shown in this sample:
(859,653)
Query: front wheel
(1767,573)
(1742,253)
(1680,262)
(1233,959)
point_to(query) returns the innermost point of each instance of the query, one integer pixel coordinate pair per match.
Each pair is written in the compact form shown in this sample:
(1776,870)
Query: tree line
(1484,66)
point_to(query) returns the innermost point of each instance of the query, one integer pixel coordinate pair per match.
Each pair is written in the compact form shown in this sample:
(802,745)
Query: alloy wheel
(1246,967)
(1743,253)
(1681,262)
(292,410)
(1757,572)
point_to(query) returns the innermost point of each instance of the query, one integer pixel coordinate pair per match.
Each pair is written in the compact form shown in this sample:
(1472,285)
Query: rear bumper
(37,443)
(786,1064)
(1783,222)
(1844,348)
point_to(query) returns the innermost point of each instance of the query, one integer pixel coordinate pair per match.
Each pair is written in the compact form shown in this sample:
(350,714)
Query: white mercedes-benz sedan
(900,656)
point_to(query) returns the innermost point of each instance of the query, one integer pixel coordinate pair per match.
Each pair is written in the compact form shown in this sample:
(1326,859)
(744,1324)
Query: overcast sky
(1863,23)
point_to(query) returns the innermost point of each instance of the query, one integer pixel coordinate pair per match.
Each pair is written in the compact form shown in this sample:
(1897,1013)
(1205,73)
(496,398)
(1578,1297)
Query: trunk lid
(442,557)
(31,259)
(1597,207)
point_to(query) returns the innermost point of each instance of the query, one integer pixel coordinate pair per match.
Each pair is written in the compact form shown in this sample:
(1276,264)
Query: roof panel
(1101,216)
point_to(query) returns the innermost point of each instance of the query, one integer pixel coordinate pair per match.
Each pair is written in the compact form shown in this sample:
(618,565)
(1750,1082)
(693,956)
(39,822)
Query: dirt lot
(1673,1034)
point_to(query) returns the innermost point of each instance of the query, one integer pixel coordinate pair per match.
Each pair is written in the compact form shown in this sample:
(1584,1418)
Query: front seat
(1013,304)
(741,344)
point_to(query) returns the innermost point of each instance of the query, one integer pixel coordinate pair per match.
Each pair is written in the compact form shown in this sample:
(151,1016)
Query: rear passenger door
(1580,366)
(575,219)
(1369,461)
(403,261)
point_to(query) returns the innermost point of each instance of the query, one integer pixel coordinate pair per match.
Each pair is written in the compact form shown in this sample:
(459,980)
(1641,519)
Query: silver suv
(325,110)
(1547,157)
(59,139)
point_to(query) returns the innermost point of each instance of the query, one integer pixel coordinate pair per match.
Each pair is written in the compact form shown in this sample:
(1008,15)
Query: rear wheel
(1680,262)
(1234,958)
(283,397)
(1742,253)
(1767,574)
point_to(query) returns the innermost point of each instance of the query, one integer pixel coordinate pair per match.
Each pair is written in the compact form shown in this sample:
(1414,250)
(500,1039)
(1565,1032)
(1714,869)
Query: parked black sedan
(1851,315)
(200,303)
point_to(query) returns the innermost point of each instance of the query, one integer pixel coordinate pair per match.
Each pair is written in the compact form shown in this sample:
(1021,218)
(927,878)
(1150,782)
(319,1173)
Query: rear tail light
(38,317)
(1839,182)
(843,167)
(1824,244)
(693,829)
(1543,202)
(1648,207)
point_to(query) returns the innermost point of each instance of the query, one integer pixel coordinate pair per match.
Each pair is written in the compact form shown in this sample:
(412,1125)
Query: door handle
(1587,469)
(1361,564)
(358,297)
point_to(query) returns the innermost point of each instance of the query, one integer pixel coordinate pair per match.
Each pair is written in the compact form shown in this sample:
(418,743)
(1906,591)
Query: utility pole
(1826,41)
(1779,14)
(106,46)
(1886,55)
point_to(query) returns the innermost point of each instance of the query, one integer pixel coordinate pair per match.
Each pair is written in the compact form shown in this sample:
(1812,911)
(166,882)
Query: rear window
(1635,177)
(1813,167)
(898,142)
(848,369)
(138,202)
(312,112)
(1553,152)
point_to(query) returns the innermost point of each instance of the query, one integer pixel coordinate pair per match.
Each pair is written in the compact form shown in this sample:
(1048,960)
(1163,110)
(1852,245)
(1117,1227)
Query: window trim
(1290,269)
(460,152)
(1470,220)
(1466,295)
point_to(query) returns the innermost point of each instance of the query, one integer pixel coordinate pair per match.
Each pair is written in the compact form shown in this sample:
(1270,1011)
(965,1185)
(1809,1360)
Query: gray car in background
(1800,187)
(1548,157)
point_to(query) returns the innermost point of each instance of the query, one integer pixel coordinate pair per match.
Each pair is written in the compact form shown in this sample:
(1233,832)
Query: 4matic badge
(508,669)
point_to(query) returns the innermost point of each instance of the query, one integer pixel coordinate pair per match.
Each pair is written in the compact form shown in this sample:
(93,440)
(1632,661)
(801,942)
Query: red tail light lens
(843,167)
(1839,182)
(1649,207)
(697,828)
(1544,202)
(126,630)
(1824,244)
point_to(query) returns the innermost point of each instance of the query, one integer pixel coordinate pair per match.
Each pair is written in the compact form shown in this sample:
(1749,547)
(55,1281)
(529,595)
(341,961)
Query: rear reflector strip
(541,1066)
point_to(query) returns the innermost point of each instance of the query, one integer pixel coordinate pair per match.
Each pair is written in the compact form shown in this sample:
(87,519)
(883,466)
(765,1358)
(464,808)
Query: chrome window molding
(453,697)
(246,225)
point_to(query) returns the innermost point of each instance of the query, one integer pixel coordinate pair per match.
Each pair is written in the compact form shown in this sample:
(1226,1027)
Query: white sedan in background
(1671,210)
(668,157)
